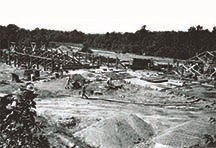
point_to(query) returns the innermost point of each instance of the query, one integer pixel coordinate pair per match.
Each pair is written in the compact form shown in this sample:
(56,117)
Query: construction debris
(75,81)
(202,66)
(153,93)
(113,86)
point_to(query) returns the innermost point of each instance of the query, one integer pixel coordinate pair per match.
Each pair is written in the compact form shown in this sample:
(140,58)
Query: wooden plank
(196,71)
(198,55)
(34,56)
(201,60)
(188,69)
(210,53)
(213,72)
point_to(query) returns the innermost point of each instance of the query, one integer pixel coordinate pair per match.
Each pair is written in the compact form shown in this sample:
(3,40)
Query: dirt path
(91,111)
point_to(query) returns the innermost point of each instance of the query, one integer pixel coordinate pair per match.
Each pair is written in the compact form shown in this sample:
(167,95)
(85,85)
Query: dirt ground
(114,114)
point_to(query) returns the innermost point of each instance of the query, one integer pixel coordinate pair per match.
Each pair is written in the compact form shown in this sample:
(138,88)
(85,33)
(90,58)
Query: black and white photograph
(108,74)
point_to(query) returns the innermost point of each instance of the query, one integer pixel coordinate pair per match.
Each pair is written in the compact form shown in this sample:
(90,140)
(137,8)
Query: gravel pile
(187,134)
(119,131)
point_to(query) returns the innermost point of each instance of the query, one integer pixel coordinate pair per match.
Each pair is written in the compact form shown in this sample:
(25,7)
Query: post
(29,61)
(108,61)
(53,63)
(65,58)
(18,62)
(117,62)
(45,65)
(79,57)
(1,54)
(38,67)
(100,61)
(92,60)
(15,60)
(25,60)
(86,56)
(9,58)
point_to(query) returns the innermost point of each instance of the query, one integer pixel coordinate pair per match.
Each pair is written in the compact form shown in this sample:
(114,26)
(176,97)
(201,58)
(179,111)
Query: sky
(101,16)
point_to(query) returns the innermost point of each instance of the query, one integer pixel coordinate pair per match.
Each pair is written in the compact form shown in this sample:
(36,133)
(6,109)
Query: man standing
(68,83)
(84,96)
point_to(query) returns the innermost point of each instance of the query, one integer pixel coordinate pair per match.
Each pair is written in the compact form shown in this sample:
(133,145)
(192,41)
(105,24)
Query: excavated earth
(138,115)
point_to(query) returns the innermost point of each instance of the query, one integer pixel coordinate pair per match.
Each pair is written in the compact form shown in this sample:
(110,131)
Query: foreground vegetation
(18,126)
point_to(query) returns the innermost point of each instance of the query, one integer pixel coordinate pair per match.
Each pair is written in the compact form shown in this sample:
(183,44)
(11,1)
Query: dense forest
(166,44)
(13,33)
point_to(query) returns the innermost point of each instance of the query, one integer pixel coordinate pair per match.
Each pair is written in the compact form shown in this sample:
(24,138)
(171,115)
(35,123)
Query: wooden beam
(210,53)
(188,69)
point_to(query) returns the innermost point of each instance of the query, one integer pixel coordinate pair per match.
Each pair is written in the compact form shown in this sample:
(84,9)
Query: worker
(68,82)
(84,96)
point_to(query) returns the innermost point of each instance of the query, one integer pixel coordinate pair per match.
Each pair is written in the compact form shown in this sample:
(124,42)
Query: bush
(18,127)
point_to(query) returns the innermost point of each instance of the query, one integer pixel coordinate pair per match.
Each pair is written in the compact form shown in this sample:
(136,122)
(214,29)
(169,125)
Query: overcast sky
(100,16)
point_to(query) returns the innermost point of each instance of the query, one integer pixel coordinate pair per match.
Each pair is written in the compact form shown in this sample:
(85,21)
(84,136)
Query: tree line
(181,44)
(175,44)
(13,33)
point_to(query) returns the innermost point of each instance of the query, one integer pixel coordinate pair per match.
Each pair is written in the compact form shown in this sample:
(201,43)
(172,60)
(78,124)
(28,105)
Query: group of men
(72,83)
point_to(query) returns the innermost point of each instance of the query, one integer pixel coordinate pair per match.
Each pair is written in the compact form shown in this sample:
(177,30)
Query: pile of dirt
(75,81)
(119,131)
(187,134)
(59,136)
(77,77)
(52,89)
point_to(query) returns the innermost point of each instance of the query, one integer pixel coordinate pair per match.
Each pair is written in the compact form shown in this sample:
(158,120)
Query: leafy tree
(86,48)
(214,29)
(199,28)
(18,126)
(192,29)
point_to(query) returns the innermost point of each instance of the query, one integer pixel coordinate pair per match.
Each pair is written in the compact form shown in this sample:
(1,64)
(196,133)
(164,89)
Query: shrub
(18,127)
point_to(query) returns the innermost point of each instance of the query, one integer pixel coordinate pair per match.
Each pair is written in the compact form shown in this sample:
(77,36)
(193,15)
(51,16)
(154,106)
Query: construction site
(104,99)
